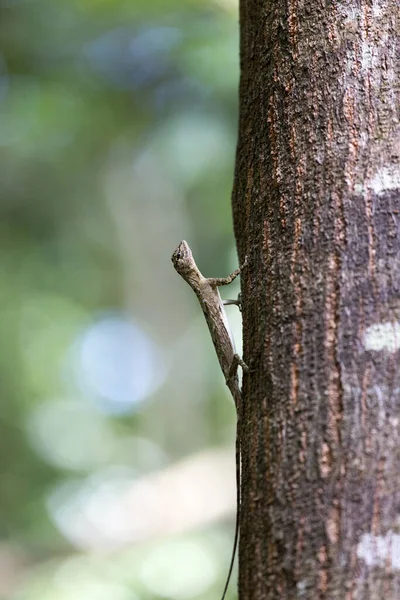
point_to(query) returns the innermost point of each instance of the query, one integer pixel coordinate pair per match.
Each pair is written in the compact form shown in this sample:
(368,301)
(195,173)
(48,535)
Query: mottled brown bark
(316,209)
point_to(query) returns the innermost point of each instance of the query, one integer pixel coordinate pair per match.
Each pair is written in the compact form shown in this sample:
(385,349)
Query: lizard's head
(182,258)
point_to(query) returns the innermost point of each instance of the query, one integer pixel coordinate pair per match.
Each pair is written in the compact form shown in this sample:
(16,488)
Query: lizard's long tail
(237,526)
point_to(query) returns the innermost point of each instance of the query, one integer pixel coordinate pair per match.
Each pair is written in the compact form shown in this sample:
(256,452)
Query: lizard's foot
(241,363)
(236,361)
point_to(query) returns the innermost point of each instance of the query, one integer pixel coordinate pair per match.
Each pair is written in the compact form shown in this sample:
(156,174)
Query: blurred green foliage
(117,139)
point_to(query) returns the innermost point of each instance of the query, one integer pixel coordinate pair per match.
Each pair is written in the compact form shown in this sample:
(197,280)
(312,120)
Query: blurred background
(117,140)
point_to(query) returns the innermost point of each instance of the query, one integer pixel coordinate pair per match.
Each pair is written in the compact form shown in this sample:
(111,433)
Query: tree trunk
(316,206)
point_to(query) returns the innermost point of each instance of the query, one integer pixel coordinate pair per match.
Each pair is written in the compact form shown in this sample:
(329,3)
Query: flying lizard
(206,290)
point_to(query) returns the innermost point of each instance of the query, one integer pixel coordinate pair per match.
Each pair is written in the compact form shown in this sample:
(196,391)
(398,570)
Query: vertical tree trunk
(316,209)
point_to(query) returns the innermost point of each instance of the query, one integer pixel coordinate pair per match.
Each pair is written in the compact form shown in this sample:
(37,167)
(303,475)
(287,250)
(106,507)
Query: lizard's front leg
(217,281)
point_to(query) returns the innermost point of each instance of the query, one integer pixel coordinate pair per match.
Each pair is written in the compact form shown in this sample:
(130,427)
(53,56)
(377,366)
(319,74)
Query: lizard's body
(206,290)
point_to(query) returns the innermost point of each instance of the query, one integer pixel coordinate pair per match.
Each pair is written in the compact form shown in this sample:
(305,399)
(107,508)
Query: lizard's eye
(178,255)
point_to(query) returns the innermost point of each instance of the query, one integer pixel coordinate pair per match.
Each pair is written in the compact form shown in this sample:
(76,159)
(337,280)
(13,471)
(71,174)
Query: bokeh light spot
(118,364)
(179,569)
(70,435)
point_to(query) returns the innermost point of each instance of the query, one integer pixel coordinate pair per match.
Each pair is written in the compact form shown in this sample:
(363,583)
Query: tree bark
(316,206)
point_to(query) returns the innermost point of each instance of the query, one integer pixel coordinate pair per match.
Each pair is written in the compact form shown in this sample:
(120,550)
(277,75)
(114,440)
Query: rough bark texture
(316,209)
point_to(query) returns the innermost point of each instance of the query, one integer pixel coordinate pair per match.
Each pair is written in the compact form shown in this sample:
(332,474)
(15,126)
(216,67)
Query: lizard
(206,290)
